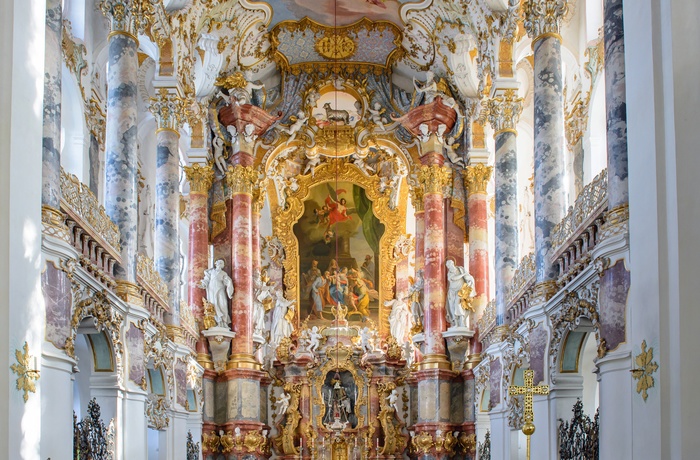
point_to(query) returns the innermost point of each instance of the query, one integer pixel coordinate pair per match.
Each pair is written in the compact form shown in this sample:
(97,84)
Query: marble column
(434,177)
(504,109)
(168,108)
(258,203)
(417,200)
(476,181)
(51,142)
(241,179)
(542,22)
(121,155)
(200,177)
(615,104)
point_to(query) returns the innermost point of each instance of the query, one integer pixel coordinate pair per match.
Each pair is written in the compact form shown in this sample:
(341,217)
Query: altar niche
(340,398)
(339,251)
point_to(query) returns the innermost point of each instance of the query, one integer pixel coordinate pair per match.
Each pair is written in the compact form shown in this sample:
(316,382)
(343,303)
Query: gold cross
(528,390)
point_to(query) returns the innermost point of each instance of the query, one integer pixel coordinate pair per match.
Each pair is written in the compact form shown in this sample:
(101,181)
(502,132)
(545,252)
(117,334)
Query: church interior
(349,229)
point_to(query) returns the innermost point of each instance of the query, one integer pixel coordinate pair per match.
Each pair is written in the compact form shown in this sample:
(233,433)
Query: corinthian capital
(201,176)
(543,17)
(477,178)
(434,178)
(504,111)
(241,179)
(130,16)
(169,109)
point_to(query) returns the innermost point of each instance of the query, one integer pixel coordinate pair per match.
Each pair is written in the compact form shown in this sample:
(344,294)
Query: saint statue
(458,278)
(219,287)
(282,317)
(262,302)
(415,293)
(400,319)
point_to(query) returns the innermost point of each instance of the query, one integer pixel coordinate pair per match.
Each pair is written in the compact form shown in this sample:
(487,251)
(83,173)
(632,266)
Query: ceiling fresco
(336,12)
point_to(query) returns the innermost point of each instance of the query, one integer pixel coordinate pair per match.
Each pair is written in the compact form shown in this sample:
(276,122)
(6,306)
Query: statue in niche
(415,294)
(146,220)
(219,287)
(219,160)
(400,319)
(282,317)
(340,396)
(283,403)
(393,400)
(460,287)
(262,302)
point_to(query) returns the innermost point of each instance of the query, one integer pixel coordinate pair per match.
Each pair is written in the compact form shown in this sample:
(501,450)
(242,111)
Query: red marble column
(200,178)
(454,237)
(476,181)
(240,178)
(417,200)
(434,177)
(258,201)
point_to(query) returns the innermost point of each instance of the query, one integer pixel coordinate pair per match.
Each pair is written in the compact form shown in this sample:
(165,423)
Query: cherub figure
(424,132)
(393,399)
(367,340)
(235,145)
(314,339)
(312,161)
(297,123)
(451,154)
(376,115)
(249,133)
(283,401)
(219,159)
(359,161)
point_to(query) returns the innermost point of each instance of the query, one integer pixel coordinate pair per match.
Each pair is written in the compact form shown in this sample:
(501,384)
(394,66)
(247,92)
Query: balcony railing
(578,233)
(488,320)
(92,232)
(153,288)
(517,294)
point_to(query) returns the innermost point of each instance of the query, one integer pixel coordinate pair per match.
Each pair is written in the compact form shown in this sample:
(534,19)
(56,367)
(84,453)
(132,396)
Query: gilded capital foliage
(241,179)
(477,178)
(200,176)
(130,16)
(169,109)
(504,111)
(434,178)
(543,17)
(416,192)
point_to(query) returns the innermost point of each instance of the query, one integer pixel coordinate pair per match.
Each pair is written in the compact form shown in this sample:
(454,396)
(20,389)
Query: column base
(435,361)
(204,360)
(243,361)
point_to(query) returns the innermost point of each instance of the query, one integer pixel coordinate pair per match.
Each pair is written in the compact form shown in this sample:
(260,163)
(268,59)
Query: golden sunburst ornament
(25,375)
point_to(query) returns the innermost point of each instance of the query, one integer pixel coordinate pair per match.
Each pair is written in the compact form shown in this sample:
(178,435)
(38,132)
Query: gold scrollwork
(335,46)
(26,376)
(422,443)
(285,441)
(646,366)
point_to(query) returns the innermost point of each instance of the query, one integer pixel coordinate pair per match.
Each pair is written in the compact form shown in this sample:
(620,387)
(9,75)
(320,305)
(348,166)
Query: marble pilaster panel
(614,289)
(477,178)
(58,299)
(121,157)
(506,222)
(615,103)
(550,164)
(167,235)
(51,142)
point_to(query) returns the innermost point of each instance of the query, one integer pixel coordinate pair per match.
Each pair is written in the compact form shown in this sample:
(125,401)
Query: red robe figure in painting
(337,210)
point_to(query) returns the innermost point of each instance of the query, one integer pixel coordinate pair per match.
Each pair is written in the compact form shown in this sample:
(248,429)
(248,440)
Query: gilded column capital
(241,179)
(200,176)
(434,178)
(542,18)
(504,111)
(576,121)
(169,109)
(130,17)
(477,178)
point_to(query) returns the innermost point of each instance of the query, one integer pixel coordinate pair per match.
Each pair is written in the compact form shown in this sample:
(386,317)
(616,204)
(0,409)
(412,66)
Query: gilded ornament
(284,442)
(477,178)
(169,109)
(504,111)
(528,390)
(435,179)
(200,176)
(241,179)
(26,371)
(236,80)
(393,349)
(210,442)
(422,443)
(254,441)
(467,442)
(227,442)
(335,46)
(146,271)
(542,18)
(645,368)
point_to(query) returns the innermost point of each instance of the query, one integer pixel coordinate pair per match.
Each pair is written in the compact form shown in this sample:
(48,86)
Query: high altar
(352,330)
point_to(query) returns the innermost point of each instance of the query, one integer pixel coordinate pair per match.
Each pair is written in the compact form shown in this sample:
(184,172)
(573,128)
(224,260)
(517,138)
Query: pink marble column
(200,178)
(258,201)
(454,237)
(240,179)
(434,177)
(476,181)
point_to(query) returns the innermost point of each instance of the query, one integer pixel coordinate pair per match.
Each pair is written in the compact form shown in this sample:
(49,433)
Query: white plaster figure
(314,339)
(367,340)
(376,115)
(249,133)
(283,402)
(219,287)
(312,161)
(263,298)
(450,154)
(359,161)
(294,128)
(282,317)
(393,399)
(457,278)
(219,159)
(235,139)
(424,135)
(400,319)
